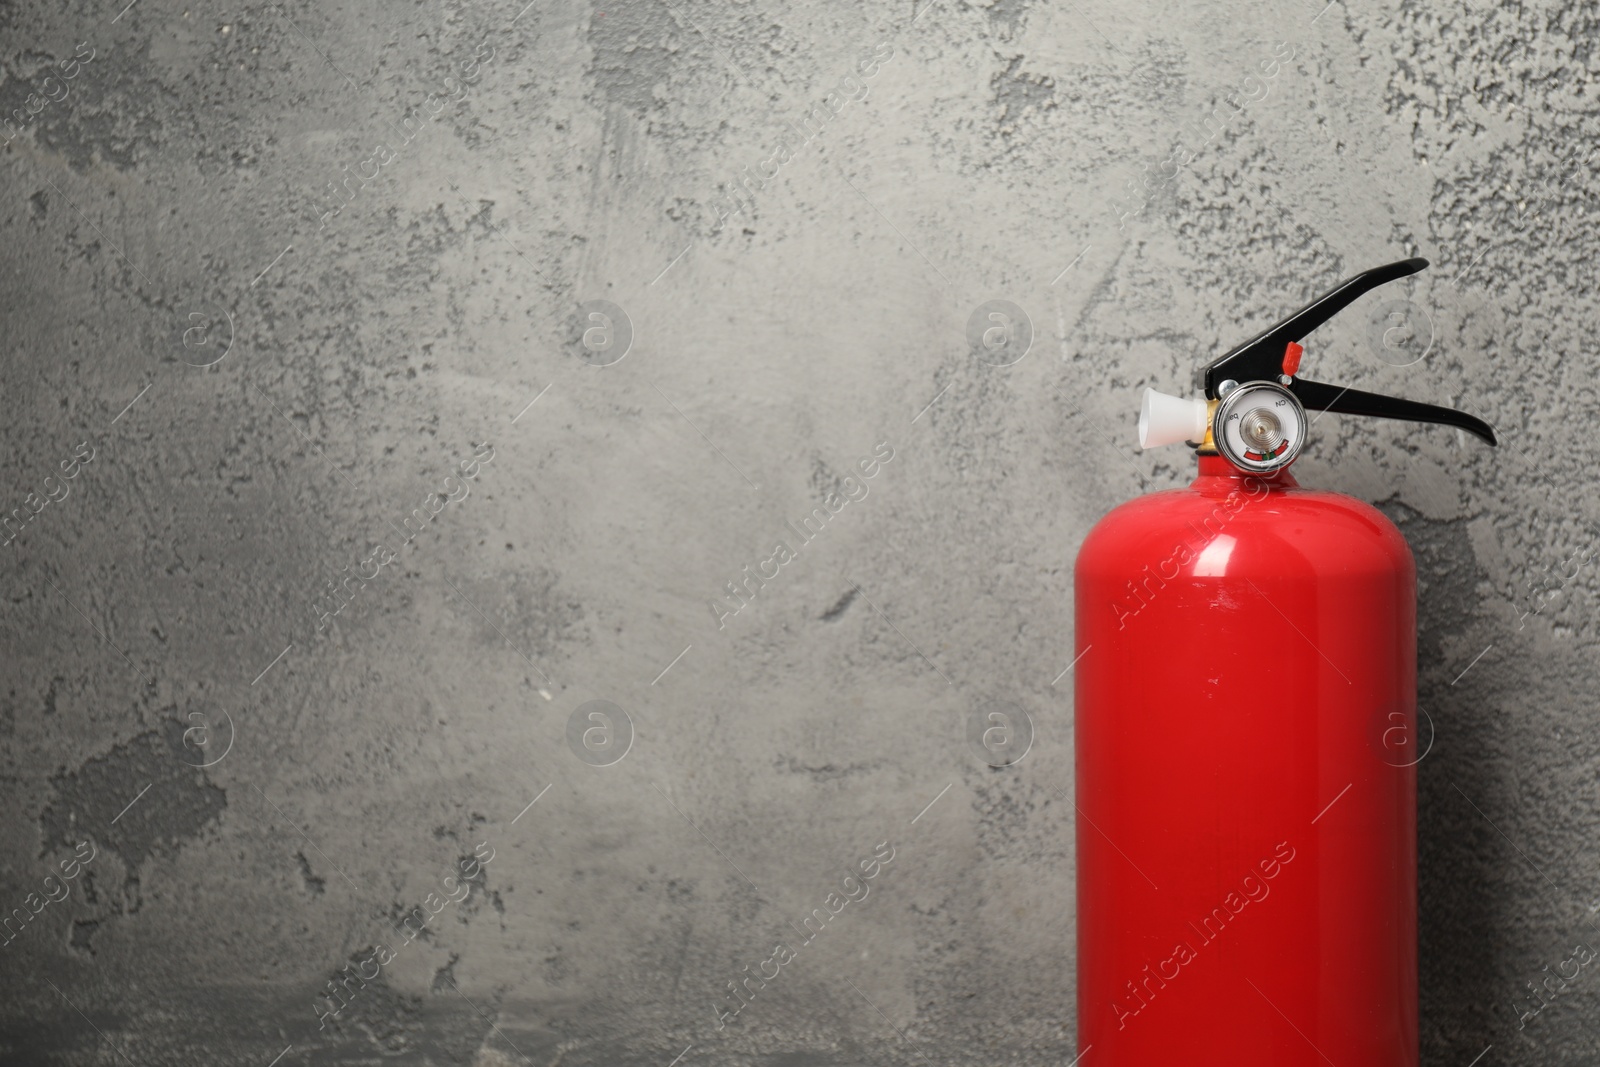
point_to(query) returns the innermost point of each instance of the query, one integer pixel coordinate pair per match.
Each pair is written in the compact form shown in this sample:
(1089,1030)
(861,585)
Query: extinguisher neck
(1216,470)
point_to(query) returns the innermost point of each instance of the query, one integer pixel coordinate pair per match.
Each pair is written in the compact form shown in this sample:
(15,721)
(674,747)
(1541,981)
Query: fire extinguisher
(1245,739)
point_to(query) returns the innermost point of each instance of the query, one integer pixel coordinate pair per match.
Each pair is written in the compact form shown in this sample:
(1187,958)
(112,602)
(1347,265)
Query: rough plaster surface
(165,607)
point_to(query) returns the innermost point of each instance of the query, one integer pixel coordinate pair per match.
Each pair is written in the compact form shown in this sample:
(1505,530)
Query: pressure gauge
(1260,427)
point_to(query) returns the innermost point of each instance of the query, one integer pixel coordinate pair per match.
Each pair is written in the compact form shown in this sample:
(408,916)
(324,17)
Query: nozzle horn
(1166,420)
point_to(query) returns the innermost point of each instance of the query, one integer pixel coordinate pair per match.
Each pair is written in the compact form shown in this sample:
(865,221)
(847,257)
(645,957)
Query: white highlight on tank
(1166,420)
(1213,560)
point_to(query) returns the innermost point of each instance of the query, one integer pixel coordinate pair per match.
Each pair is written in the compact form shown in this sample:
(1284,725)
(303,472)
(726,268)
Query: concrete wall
(274,375)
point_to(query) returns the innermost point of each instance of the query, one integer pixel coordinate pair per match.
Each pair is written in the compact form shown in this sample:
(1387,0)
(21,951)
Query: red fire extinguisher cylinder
(1246,739)
(1246,827)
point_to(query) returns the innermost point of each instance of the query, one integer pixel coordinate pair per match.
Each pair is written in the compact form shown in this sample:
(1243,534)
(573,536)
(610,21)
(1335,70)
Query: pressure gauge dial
(1260,427)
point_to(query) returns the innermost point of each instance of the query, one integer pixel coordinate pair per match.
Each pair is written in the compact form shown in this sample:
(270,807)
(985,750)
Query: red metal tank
(1246,783)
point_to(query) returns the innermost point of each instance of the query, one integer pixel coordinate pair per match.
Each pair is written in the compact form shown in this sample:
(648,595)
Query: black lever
(1319,397)
(1262,359)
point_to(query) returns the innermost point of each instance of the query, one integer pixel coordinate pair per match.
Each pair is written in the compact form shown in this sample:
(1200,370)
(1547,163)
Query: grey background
(362,358)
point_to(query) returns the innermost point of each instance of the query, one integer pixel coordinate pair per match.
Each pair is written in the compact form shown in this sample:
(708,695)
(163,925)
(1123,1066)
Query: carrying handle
(1345,401)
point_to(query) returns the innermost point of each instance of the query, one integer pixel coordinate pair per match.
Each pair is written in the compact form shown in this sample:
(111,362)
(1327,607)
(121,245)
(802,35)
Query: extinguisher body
(1246,787)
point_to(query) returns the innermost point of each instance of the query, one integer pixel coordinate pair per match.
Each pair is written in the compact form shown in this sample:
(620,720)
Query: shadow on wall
(1465,903)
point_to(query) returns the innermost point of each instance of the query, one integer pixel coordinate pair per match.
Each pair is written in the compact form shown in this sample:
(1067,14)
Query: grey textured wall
(275,278)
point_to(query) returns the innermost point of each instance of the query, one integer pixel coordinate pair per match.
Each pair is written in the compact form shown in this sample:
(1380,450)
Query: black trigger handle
(1261,358)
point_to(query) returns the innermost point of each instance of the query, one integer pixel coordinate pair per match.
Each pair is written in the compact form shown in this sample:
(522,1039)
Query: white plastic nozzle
(1166,420)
